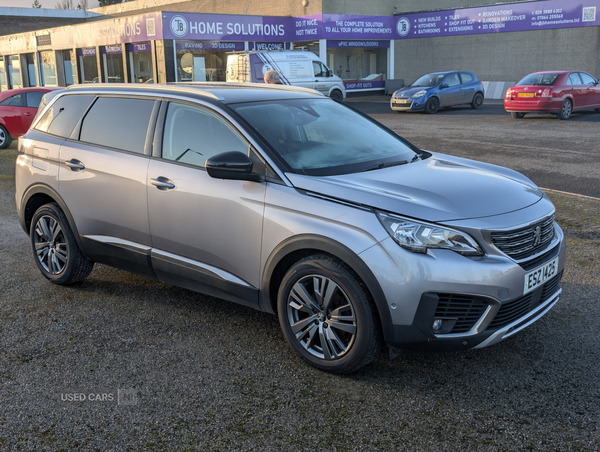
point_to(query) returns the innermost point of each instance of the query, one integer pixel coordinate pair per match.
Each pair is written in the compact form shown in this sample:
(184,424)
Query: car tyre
(54,247)
(337,95)
(517,115)
(327,315)
(5,138)
(432,106)
(565,110)
(477,101)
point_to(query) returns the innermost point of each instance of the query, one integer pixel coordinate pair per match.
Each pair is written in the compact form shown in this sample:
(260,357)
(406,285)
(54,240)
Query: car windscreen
(427,80)
(320,137)
(539,79)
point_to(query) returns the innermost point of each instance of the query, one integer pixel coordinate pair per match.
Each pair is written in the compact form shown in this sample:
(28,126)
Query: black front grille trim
(516,309)
(466,309)
(519,244)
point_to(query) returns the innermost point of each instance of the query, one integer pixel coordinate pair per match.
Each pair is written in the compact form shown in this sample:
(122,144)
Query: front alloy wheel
(327,316)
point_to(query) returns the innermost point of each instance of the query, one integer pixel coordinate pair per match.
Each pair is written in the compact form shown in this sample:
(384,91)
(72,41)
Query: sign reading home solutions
(527,16)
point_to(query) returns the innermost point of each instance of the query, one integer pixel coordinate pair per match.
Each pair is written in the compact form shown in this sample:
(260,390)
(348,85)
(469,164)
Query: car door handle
(75,165)
(162,183)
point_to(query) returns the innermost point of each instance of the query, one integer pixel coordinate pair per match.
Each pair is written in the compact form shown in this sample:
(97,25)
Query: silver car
(283,200)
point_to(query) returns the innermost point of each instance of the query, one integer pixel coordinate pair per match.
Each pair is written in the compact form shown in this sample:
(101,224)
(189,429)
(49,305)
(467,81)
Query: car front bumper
(484,293)
(407,104)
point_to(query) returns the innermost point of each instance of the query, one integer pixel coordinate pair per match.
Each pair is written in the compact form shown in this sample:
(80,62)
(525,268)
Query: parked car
(17,110)
(436,90)
(281,199)
(557,92)
(295,67)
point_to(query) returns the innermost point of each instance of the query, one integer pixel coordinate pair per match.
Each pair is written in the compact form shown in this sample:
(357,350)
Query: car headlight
(419,94)
(418,236)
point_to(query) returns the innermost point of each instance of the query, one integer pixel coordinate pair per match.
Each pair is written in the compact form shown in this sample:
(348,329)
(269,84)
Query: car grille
(512,311)
(522,243)
(467,309)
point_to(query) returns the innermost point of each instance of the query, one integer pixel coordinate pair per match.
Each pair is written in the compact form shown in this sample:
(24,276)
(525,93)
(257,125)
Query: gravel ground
(198,373)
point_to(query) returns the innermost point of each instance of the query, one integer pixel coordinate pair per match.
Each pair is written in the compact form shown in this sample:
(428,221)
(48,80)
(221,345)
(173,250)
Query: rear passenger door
(102,178)
(206,232)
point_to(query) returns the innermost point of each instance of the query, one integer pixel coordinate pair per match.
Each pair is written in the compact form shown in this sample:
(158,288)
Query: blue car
(436,90)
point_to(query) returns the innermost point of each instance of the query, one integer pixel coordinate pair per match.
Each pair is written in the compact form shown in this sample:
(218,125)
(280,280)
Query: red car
(558,92)
(17,110)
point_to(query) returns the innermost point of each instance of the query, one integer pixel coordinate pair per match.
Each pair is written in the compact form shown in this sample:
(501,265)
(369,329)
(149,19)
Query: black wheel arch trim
(315,244)
(48,191)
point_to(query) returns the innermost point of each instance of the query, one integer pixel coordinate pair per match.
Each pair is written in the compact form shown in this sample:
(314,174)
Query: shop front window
(203,61)
(3,81)
(48,68)
(354,64)
(68,61)
(88,65)
(14,70)
(140,62)
(31,69)
(112,58)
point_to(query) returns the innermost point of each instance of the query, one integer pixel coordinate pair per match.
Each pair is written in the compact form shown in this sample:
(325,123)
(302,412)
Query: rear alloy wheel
(565,110)
(517,115)
(477,101)
(337,95)
(432,105)
(327,316)
(54,247)
(5,138)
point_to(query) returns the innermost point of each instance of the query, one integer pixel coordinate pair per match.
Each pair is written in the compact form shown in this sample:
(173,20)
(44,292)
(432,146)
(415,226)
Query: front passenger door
(206,233)
(452,94)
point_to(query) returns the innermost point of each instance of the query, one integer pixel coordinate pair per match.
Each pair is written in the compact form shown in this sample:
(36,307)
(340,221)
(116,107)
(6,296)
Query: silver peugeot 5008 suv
(286,201)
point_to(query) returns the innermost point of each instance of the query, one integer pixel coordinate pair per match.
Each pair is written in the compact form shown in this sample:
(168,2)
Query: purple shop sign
(112,49)
(356,86)
(226,27)
(342,26)
(265,46)
(369,44)
(208,45)
(145,27)
(527,16)
(90,51)
(140,47)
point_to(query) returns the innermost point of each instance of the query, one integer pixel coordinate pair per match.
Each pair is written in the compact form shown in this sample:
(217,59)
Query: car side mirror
(444,86)
(329,73)
(231,165)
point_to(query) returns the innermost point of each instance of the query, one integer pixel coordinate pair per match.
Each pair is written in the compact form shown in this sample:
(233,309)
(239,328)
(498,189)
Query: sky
(45,3)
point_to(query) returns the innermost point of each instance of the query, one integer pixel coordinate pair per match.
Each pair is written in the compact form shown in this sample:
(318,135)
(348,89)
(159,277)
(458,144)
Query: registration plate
(403,102)
(540,275)
(526,95)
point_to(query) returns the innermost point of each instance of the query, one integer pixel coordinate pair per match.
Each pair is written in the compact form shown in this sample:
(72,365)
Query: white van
(295,67)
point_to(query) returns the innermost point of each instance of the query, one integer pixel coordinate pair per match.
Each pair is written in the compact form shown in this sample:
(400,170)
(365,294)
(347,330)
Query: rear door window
(573,79)
(64,114)
(118,122)
(34,98)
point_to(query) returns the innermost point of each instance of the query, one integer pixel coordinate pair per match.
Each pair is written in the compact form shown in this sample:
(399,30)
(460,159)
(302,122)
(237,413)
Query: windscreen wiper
(381,165)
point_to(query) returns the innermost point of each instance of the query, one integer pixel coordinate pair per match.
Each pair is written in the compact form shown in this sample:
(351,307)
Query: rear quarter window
(117,122)
(63,115)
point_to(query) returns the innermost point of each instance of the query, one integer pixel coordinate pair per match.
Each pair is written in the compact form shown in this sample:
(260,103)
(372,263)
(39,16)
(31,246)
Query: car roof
(12,92)
(219,92)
